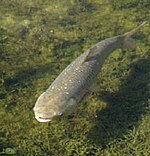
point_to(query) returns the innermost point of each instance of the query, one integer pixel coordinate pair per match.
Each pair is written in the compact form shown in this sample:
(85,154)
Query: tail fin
(128,41)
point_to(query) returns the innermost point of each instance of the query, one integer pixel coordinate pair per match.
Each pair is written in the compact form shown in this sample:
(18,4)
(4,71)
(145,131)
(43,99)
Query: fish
(66,92)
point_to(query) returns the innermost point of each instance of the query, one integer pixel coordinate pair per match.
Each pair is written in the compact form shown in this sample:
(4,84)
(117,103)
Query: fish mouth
(42,119)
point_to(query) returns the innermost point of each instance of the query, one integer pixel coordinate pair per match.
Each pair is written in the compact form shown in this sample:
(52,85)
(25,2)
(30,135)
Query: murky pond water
(38,39)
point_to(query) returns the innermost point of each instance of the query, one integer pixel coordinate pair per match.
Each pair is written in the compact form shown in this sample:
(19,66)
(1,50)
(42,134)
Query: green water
(38,39)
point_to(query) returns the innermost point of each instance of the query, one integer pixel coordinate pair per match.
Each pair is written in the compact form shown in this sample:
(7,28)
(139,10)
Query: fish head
(46,109)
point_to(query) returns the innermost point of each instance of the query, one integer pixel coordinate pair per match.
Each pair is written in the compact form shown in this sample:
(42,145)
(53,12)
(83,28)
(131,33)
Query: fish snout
(44,115)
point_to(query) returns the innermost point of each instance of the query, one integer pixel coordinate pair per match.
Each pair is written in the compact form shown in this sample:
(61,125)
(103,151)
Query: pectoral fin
(94,88)
(71,106)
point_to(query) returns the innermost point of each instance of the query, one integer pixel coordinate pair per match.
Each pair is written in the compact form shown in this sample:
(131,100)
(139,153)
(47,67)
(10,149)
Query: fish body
(67,90)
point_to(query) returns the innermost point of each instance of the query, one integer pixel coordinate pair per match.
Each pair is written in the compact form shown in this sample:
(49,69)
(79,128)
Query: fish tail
(128,41)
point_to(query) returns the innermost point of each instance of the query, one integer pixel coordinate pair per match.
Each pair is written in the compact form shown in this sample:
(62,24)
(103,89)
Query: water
(38,39)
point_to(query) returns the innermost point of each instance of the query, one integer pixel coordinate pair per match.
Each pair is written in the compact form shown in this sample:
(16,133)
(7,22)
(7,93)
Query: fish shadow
(125,107)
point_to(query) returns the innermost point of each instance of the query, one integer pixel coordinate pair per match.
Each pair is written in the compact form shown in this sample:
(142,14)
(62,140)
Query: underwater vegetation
(38,39)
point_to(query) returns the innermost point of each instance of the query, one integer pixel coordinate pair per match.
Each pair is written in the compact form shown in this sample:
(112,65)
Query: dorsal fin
(91,54)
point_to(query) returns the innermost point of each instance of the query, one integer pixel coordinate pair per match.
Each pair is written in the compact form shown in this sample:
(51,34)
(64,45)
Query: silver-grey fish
(67,90)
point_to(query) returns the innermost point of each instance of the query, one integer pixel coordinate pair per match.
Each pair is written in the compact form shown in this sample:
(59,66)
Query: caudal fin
(128,41)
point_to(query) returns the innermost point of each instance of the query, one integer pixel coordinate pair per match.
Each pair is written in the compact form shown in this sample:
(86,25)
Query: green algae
(38,39)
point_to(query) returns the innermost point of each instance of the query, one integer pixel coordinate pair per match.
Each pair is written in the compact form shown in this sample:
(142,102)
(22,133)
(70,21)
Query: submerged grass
(38,39)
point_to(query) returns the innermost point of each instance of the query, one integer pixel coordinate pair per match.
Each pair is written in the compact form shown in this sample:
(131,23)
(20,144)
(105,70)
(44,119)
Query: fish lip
(42,119)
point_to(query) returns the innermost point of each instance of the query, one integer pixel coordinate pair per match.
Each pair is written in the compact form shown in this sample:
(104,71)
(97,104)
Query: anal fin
(94,88)
(129,43)
(71,106)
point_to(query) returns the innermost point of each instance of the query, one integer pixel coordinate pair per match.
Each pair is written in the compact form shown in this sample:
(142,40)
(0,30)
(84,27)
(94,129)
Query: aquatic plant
(38,39)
